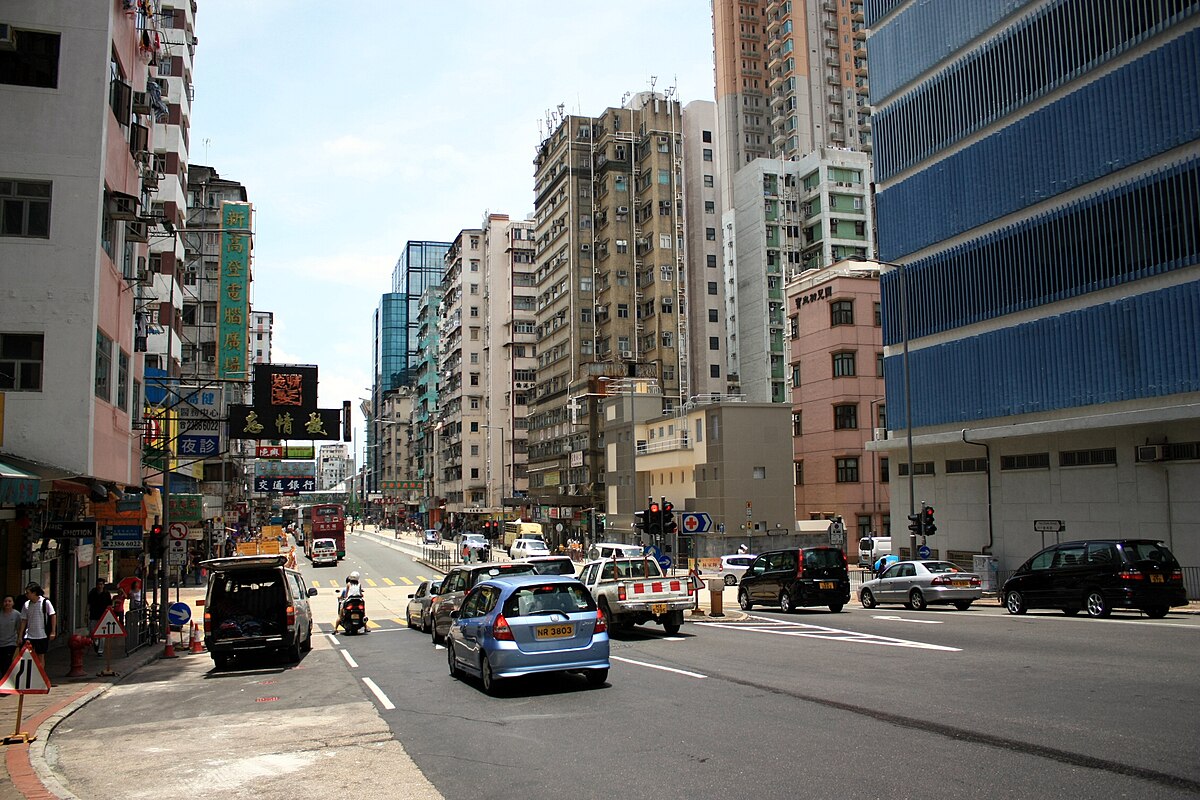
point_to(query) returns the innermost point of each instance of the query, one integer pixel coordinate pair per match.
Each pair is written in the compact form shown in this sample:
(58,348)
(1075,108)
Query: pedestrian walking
(99,600)
(10,623)
(466,553)
(39,622)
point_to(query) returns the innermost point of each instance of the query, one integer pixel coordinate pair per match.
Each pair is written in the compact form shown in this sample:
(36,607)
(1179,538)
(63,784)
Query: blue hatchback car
(526,624)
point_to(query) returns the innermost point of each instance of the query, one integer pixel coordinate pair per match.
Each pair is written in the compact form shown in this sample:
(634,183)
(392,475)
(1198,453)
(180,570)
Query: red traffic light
(654,508)
(156,530)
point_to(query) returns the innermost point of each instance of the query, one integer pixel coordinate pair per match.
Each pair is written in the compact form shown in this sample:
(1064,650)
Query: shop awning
(17,486)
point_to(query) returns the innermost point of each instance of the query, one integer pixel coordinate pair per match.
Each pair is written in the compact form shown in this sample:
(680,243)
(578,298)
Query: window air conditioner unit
(141,103)
(622,209)
(122,207)
(880,434)
(1149,452)
(585,247)
(627,355)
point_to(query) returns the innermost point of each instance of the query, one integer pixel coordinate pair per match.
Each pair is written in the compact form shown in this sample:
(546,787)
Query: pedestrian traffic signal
(158,545)
(914,524)
(669,525)
(927,526)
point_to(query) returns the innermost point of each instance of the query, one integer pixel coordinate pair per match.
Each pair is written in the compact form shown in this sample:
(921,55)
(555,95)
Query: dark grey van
(796,577)
(255,604)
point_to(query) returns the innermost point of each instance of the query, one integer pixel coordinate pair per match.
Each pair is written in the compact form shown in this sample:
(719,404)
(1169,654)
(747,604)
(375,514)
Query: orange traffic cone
(169,650)
(197,642)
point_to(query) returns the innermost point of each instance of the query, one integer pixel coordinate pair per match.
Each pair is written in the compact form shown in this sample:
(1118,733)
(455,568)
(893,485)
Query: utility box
(987,568)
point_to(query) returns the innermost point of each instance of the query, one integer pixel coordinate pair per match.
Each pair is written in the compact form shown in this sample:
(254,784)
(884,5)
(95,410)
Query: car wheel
(730,580)
(490,681)
(1157,612)
(426,623)
(433,633)
(916,600)
(867,598)
(744,601)
(962,605)
(293,652)
(597,677)
(308,639)
(1015,603)
(454,673)
(408,620)
(672,626)
(835,607)
(785,603)
(1096,605)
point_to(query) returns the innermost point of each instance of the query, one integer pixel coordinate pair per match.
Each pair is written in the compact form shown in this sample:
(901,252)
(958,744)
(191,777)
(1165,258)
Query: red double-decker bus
(324,521)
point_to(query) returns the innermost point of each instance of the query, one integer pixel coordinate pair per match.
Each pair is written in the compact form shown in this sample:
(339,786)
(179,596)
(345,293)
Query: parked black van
(798,576)
(1097,576)
(255,604)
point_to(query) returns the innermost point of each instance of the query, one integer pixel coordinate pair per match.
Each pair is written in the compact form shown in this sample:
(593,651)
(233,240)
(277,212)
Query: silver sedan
(919,584)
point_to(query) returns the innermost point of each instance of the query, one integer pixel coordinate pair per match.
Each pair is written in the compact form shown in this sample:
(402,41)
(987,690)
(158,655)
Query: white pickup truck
(632,591)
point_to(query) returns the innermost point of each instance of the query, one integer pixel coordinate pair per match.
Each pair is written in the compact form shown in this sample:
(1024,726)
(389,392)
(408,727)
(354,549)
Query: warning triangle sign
(108,626)
(25,676)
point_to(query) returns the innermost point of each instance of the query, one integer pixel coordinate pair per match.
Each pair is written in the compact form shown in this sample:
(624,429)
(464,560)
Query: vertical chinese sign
(233,310)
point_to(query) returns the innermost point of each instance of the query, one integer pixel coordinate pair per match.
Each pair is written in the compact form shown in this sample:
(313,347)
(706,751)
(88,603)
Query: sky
(356,127)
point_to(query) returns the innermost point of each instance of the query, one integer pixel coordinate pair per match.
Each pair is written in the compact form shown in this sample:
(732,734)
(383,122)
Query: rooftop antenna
(624,97)
(653,80)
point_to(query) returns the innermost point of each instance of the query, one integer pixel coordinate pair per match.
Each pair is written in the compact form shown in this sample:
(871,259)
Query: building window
(714,370)
(879,365)
(918,468)
(474,378)
(21,362)
(25,208)
(878,314)
(1025,461)
(710,234)
(885,474)
(799,468)
(714,343)
(32,60)
(841,312)
(103,366)
(847,470)
(1087,458)
(843,365)
(122,379)
(864,526)
(845,417)
(710,207)
(795,376)
(713,315)
(622,310)
(710,261)
(708,181)
(712,288)
(706,136)
(797,423)
(957,466)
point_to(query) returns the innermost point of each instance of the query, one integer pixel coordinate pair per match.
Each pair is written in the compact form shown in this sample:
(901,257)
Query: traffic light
(669,525)
(639,521)
(654,519)
(158,545)
(914,524)
(927,526)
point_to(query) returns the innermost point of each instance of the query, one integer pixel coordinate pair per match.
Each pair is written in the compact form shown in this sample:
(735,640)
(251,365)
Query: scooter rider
(352,589)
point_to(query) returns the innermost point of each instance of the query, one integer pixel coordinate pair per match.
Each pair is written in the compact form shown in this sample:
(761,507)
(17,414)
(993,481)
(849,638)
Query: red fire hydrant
(77,644)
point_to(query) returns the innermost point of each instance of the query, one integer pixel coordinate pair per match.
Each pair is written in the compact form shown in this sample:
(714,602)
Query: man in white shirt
(39,622)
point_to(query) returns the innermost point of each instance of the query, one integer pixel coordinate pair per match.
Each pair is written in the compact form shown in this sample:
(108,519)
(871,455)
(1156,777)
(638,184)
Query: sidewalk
(22,766)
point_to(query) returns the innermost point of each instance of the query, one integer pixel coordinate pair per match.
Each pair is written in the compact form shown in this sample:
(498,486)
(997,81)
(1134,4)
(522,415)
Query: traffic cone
(169,650)
(197,641)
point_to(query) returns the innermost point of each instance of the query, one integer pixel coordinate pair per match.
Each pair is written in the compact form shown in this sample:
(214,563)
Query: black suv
(1097,576)
(799,576)
(460,580)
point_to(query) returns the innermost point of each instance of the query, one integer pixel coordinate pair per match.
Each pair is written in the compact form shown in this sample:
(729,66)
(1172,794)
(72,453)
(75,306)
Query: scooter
(354,614)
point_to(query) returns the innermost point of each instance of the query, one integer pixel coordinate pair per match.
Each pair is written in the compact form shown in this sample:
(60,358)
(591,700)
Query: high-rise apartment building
(425,414)
(333,465)
(791,77)
(460,371)
(788,216)
(510,354)
(262,328)
(609,263)
(1038,167)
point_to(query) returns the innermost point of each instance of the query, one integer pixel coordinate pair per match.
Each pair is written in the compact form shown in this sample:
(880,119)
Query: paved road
(876,703)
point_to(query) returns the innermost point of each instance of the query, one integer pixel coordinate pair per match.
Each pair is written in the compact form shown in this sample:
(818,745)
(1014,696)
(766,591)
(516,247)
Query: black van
(1096,576)
(798,576)
(255,604)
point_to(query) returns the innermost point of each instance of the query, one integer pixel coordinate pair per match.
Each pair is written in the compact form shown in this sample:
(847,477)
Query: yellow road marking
(389,581)
(407,581)
(334,584)
(372,623)
(371,582)
(316,584)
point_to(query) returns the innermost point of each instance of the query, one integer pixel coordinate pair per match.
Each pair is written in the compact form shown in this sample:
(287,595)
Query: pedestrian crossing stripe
(389,581)
(409,582)
(372,583)
(25,676)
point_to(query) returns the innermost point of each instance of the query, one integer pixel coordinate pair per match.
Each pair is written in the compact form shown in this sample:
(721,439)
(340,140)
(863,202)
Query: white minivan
(324,551)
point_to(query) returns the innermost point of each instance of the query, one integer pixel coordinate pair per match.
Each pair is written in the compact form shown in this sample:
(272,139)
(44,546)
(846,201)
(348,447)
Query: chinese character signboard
(286,484)
(233,309)
(285,386)
(187,508)
(253,422)
(276,469)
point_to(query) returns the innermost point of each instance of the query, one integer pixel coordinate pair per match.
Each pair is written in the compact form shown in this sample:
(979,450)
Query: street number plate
(828,585)
(554,631)
(659,608)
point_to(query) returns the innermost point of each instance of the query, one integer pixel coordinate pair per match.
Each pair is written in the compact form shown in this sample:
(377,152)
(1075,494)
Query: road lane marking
(409,582)
(334,584)
(372,623)
(905,619)
(372,583)
(658,666)
(389,581)
(1060,617)
(333,639)
(383,698)
(316,584)
(782,628)
(349,658)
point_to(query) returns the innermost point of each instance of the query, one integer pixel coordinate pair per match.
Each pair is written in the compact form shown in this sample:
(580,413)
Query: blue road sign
(695,522)
(662,558)
(179,614)
(923,551)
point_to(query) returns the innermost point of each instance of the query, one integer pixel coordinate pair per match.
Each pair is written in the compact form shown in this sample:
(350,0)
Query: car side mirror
(312,592)
(454,614)
(411,596)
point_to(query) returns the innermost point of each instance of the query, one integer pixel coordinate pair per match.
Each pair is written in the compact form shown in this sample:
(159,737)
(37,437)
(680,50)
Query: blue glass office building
(1038,176)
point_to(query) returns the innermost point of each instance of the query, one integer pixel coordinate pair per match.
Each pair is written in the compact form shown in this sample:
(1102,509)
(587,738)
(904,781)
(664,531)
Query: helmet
(353,576)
